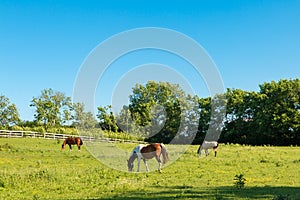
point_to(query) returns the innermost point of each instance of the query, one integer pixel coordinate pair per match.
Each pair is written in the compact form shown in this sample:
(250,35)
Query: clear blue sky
(44,43)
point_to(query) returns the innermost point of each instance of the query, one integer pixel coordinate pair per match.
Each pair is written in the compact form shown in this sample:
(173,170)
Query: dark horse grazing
(72,141)
(146,152)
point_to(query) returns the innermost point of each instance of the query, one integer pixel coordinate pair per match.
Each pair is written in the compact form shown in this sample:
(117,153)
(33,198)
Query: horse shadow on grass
(217,193)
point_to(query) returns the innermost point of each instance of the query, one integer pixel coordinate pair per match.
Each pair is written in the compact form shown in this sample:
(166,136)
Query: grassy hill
(38,169)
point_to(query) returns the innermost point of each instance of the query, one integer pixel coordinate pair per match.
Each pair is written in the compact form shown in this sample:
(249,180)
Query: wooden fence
(56,136)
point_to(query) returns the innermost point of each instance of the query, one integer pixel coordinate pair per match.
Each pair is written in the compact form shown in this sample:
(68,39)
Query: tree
(270,116)
(160,109)
(8,112)
(107,119)
(52,108)
(204,109)
(240,114)
(81,118)
(125,122)
(279,114)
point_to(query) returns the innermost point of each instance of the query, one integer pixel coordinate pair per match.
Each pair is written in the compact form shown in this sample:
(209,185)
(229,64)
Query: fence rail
(56,136)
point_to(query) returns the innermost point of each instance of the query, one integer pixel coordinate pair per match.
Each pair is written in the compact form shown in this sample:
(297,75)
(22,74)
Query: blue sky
(44,43)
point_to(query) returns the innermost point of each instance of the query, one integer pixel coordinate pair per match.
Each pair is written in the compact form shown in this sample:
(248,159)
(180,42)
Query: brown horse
(72,141)
(146,152)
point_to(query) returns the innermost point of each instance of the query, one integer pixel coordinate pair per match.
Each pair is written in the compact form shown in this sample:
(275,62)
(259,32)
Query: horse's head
(130,161)
(130,165)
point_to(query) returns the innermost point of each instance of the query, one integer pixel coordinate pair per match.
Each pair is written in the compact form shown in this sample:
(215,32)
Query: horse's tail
(63,145)
(164,153)
(215,147)
(81,143)
(199,150)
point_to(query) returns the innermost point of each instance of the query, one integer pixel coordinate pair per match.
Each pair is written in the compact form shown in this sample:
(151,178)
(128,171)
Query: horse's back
(70,140)
(137,149)
(210,143)
(74,140)
(142,148)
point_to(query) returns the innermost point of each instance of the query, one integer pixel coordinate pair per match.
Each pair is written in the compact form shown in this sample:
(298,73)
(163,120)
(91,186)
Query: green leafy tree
(279,116)
(107,120)
(8,112)
(204,109)
(211,117)
(125,122)
(189,121)
(240,114)
(270,116)
(159,108)
(52,108)
(82,119)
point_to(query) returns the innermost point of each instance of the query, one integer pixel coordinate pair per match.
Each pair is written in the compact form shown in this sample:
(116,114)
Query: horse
(146,152)
(208,145)
(72,141)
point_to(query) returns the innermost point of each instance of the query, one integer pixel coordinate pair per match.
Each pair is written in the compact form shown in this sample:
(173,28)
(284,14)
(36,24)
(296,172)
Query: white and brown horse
(208,145)
(146,152)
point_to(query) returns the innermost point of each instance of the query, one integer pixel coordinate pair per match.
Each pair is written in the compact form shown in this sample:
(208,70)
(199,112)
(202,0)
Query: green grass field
(38,169)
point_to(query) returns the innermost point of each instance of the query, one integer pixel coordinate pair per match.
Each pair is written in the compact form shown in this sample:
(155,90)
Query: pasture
(38,169)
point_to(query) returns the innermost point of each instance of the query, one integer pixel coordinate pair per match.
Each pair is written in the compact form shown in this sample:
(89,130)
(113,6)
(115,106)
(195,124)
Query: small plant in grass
(239,181)
(6,146)
(2,184)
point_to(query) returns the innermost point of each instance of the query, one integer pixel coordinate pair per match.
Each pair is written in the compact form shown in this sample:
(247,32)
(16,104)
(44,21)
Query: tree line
(53,109)
(163,112)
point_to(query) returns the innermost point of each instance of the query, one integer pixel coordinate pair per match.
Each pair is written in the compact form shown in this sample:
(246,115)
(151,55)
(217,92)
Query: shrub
(239,181)
(63,130)
(16,128)
(39,129)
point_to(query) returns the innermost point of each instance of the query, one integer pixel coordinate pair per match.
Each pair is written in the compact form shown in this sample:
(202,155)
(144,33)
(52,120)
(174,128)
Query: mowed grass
(37,169)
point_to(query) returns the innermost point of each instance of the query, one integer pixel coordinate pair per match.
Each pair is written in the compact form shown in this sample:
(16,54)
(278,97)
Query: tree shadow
(227,192)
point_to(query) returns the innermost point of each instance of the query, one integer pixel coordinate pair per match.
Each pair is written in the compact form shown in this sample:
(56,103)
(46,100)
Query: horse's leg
(70,146)
(139,162)
(206,152)
(145,162)
(159,165)
(159,162)
(215,152)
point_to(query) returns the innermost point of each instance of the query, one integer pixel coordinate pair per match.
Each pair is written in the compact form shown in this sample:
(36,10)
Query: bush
(239,181)
(71,131)
(122,136)
(16,128)
(39,129)
(63,130)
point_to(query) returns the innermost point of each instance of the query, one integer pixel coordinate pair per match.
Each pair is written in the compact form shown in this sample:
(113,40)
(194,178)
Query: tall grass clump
(239,181)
